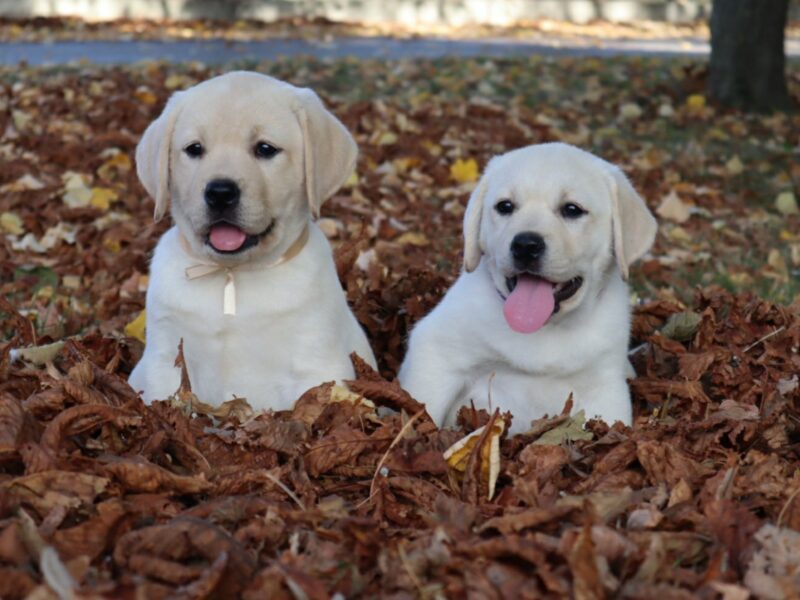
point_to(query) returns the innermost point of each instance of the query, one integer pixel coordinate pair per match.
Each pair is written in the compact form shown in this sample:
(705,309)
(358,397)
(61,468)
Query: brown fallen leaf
(514,522)
(46,490)
(342,445)
(158,552)
(666,464)
(16,427)
(83,418)
(92,537)
(137,474)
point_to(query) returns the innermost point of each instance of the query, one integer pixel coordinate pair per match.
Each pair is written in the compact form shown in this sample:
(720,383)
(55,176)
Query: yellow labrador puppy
(245,278)
(541,309)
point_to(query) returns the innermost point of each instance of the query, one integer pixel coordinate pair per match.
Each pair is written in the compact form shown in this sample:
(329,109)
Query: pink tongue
(529,306)
(226,238)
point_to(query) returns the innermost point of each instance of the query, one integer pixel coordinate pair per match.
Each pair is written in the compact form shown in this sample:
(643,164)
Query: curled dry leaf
(81,419)
(159,551)
(666,464)
(92,537)
(139,475)
(16,426)
(44,491)
(341,446)
(457,456)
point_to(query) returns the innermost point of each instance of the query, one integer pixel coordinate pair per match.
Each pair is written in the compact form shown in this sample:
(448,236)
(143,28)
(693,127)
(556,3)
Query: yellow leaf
(11,223)
(20,119)
(117,163)
(23,184)
(715,133)
(72,282)
(76,193)
(352,181)
(433,149)
(673,208)
(387,138)
(112,245)
(776,261)
(457,455)
(342,394)
(786,203)
(413,238)
(679,234)
(696,102)
(464,171)
(630,110)
(145,95)
(741,278)
(45,292)
(734,166)
(135,328)
(38,355)
(175,81)
(570,430)
(794,253)
(103,197)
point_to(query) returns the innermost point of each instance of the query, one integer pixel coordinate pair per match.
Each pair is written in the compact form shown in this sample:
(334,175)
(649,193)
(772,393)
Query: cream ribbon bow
(201,269)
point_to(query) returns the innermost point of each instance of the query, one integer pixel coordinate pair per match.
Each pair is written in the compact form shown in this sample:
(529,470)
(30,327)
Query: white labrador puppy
(541,309)
(245,278)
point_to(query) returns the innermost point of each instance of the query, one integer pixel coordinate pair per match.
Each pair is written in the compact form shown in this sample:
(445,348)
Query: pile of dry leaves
(101,496)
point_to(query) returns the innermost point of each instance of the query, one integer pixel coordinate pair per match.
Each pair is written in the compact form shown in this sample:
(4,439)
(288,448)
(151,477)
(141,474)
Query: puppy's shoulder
(168,265)
(168,252)
(463,308)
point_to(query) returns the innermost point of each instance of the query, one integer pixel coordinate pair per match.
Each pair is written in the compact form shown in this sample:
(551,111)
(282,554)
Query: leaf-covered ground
(699,499)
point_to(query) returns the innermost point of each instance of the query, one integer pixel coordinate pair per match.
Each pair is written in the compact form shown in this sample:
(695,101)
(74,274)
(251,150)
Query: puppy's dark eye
(504,207)
(265,150)
(572,211)
(195,150)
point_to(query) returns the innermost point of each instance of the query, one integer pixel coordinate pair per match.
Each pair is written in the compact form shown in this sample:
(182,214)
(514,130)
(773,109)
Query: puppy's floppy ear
(152,155)
(329,151)
(472,227)
(634,227)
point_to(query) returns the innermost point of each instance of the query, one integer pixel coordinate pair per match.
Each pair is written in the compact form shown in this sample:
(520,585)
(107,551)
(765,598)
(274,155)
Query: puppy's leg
(156,375)
(431,377)
(608,399)
(157,379)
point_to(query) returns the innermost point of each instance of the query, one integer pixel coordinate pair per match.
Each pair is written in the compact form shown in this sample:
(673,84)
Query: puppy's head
(552,222)
(242,160)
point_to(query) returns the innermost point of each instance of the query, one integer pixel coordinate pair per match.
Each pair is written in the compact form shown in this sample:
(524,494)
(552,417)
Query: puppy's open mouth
(227,238)
(532,300)
(561,291)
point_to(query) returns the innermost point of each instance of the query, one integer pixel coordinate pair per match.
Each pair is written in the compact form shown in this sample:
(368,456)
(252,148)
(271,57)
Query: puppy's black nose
(527,247)
(222,194)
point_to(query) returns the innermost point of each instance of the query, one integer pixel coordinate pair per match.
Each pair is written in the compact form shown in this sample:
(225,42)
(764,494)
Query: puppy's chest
(229,301)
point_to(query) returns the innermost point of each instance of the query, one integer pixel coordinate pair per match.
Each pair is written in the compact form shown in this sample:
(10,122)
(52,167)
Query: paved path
(217,51)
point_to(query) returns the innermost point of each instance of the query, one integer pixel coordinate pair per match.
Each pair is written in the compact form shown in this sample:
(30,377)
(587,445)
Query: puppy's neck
(202,268)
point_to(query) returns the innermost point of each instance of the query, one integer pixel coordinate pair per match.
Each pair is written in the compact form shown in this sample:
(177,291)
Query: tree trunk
(748,63)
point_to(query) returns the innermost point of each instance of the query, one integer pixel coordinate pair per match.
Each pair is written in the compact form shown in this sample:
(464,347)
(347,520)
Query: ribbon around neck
(202,269)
